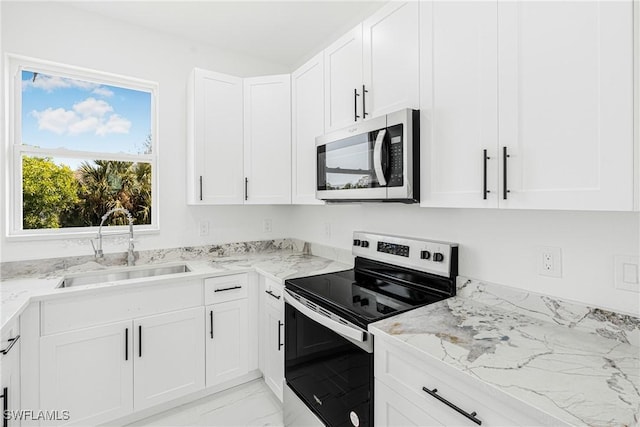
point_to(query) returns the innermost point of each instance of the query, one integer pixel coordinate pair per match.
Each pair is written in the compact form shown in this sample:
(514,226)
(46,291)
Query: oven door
(328,365)
(353,163)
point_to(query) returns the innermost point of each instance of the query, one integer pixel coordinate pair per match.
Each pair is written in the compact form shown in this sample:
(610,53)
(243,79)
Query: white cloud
(86,116)
(57,121)
(50,83)
(103,91)
(115,124)
(92,107)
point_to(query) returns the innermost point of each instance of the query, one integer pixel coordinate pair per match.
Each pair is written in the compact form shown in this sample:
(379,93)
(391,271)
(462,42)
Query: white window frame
(14,65)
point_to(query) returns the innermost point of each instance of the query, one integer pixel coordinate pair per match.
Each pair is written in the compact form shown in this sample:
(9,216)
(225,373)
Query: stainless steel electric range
(328,350)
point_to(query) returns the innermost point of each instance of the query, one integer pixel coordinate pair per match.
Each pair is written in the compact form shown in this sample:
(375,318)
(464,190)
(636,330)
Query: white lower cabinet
(272,336)
(227,341)
(88,372)
(402,374)
(10,371)
(169,356)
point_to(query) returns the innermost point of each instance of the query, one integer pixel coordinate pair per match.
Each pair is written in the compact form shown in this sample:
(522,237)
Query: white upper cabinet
(390,59)
(307,108)
(546,88)
(459,103)
(566,104)
(267,139)
(215,155)
(343,80)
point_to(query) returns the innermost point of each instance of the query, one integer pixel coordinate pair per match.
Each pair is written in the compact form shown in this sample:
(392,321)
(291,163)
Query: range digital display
(393,249)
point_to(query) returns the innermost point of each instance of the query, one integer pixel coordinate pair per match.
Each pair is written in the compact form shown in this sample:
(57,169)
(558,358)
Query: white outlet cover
(627,272)
(556,261)
(267,226)
(203,227)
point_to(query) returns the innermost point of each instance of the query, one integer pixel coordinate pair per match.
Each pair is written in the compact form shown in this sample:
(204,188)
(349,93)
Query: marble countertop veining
(578,364)
(278,264)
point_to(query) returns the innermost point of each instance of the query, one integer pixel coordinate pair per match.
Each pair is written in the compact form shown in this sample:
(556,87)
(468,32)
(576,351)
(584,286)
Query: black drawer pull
(126,343)
(484,175)
(5,407)
(272,294)
(211,320)
(280,325)
(12,342)
(471,416)
(228,289)
(505,188)
(139,340)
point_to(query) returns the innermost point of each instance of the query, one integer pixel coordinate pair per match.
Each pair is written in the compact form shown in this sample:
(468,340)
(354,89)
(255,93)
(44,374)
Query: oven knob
(425,255)
(364,244)
(438,257)
(356,242)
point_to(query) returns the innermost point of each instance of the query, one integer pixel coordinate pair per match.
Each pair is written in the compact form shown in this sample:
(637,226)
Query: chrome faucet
(99,253)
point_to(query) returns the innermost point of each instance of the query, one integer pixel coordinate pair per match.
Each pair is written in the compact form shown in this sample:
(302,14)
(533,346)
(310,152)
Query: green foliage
(55,196)
(48,192)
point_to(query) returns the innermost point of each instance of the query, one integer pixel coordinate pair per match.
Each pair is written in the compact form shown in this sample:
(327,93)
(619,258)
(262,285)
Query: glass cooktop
(361,297)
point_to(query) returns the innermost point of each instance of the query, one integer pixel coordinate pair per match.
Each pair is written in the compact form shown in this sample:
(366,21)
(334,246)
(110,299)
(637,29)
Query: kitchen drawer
(273,293)
(225,288)
(407,371)
(118,303)
(392,409)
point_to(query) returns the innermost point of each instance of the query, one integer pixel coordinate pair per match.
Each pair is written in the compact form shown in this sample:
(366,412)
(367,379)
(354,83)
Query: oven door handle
(377,158)
(339,328)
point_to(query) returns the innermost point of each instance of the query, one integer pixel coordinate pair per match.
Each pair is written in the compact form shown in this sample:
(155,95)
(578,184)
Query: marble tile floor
(251,404)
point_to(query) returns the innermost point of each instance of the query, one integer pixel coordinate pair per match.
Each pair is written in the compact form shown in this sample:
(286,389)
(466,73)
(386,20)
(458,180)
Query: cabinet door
(10,371)
(215,139)
(169,356)
(459,103)
(227,339)
(307,108)
(267,139)
(273,336)
(88,372)
(566,104)
(390,59)
(393,409)
(343,80)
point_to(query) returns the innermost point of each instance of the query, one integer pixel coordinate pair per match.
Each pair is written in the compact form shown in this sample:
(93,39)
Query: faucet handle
(96,252)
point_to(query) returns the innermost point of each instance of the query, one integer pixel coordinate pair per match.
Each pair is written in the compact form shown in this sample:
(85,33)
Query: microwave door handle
(339,328)
(377,158)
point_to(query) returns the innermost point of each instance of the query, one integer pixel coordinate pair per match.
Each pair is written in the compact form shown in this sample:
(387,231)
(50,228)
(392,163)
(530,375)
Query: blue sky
(79,115)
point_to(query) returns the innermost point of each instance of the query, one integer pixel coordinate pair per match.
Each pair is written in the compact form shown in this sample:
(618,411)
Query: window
(83,142)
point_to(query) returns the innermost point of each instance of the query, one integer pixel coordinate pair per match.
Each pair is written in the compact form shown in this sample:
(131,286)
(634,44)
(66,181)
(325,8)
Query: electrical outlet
(549,261)
(267,225)
(327,230)
(627,272)
(203,227)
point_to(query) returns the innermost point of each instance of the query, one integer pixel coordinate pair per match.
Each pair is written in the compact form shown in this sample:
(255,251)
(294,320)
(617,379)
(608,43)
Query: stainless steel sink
(113,275)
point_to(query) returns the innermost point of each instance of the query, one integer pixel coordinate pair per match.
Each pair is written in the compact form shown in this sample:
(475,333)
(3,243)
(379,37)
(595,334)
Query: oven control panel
(430,256)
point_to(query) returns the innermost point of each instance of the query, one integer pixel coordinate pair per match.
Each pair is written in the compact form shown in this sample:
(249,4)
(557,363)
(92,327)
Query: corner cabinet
(307,123)
(267,139)
(215,141)
(535,110)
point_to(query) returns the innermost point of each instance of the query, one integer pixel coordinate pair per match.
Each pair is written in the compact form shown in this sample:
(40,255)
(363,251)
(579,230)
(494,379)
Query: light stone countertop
(580,365)
(277,264)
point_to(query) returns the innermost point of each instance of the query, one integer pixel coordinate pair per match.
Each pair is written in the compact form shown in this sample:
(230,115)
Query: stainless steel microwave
(376,160)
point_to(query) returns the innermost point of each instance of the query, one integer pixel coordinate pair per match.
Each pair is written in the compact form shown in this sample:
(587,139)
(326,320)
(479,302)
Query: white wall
(64,34)
(500,246)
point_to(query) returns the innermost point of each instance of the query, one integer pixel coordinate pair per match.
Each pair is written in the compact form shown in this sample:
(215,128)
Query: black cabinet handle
(471,416)
(246,188)
(364,107)
(211,321)
(126,344)
(200,187)
(272,294)
(355,105)
(280,325)
(5,407)
(227,289)
(484,174)
(12,342)
(139,340)
(505,156)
